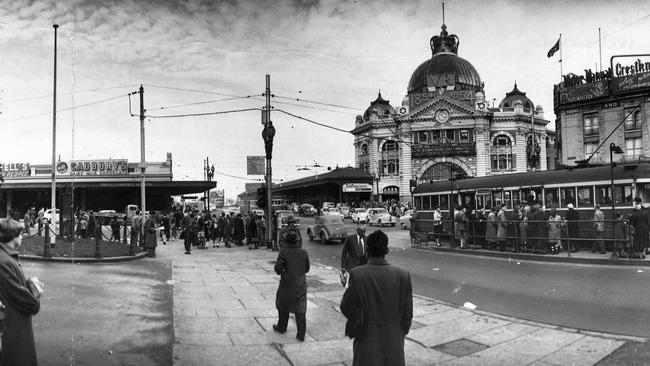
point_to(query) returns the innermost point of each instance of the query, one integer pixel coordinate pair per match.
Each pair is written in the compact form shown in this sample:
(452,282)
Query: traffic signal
(261,197)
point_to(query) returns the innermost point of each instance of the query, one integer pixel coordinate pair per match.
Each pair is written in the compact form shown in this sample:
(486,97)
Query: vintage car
(331,211)
(360,215)
(257,212)
(345,212)
(327,228)
(307,210)
(405,220)
(380,217)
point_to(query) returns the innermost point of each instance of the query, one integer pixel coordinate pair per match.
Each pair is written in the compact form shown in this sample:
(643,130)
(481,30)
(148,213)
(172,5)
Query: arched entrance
(440,171)
(390,192)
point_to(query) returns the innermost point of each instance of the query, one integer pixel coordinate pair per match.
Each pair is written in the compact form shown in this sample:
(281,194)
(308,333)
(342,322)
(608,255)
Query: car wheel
(392,224)
(379,222)
(310,235)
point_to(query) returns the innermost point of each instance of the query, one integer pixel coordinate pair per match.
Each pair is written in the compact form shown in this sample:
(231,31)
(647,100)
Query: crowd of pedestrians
(530,227)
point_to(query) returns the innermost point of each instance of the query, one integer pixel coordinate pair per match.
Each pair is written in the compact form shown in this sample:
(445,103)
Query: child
(621,236)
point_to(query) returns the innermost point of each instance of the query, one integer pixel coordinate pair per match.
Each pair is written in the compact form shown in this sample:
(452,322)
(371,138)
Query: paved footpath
(224,307)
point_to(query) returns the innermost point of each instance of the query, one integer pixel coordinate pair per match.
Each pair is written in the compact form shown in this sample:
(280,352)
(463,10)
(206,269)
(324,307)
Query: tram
(582,187)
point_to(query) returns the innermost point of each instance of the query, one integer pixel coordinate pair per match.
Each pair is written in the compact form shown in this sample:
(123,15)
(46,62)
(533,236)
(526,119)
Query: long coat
(502,227)
(352,254)
(384,294)
(491,228)
(572,218)
(639,219)
(21,304)
(150,240)
(292,265)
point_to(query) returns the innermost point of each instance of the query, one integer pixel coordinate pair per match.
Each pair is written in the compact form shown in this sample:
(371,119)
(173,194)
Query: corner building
(446,128)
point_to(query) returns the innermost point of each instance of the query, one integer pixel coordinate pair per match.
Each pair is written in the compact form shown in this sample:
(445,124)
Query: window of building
(364,165)
(464,135)
(423,137)
(435,136)
(449,134)
(390,158)
(364,149)
(501,153)
(633,147)
(591,124)
(633,120)
(590,147)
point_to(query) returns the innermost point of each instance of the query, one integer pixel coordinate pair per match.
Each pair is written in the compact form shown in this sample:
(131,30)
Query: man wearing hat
(354,250)
(292,265)
(572,219)
(20,296)
(291,226)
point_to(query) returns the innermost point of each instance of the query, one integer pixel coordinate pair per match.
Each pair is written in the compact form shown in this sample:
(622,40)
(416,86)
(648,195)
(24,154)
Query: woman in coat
(292,265)
(491,229)
(20,297)
(639,219)
(554,225)
(150,242)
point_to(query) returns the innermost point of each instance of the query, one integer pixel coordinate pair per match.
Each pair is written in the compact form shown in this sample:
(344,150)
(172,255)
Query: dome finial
(445,42)
(379,93)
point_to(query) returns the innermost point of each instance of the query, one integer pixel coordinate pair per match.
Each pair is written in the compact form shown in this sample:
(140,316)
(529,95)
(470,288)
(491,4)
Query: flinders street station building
(445,128)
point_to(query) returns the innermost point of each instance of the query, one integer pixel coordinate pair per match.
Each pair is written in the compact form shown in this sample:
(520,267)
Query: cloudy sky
(198,57)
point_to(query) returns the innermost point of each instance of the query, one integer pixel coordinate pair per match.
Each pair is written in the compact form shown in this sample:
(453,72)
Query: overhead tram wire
(206,102)
(65,109)
(206,113)
(315,108)
(191,90)
(73,92)
(315,102)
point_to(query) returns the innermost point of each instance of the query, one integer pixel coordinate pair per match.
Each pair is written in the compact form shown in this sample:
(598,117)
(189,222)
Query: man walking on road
(379,307)
(599,227)
(354,250)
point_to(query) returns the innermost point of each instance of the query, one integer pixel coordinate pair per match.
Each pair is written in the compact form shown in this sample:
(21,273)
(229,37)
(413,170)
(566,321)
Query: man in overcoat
(150,241)
(354,250)
(292,265)
(502,228)
(20,296)
(572,219)
(292,223)
(383,294)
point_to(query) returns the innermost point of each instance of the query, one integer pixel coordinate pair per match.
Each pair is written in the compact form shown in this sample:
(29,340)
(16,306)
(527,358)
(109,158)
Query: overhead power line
(319,103)
(205,114)
(191,90)
(66,109)
(206,102)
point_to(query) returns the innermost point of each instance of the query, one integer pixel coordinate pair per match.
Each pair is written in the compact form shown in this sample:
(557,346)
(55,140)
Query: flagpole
(600,52)
(561,73)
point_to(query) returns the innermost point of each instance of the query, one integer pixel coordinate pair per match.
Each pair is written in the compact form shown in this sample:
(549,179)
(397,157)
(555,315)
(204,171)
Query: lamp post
(268,133)
(54,217)
(377,179)
(613,149)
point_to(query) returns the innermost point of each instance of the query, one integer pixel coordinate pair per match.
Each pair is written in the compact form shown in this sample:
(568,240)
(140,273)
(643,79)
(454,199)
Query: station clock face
(442,115)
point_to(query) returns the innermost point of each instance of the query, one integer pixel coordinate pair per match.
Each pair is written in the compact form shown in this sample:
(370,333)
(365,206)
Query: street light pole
(143,165)
(613,148)
(268,132)
(53,215)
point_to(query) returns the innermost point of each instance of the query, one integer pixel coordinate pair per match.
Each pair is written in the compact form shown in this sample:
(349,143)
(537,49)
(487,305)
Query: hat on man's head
(291,218)
(9,229)
(570,205)
(292,236)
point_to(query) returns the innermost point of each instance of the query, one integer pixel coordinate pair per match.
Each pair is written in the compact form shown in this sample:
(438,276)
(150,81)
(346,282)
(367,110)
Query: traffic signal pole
(268,132)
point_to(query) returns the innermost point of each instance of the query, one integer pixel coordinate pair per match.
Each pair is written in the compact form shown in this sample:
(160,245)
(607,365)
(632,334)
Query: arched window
(501,153)
(389,158)
(440,171)
(364,149)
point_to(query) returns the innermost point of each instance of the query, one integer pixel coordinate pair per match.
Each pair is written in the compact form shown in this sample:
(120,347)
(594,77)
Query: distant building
(592,106)
(445,128)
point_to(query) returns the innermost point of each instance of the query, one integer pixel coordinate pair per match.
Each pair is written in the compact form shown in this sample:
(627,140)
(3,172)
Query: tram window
(507,199)
(498,198)
(435,201)
(444,202)
(585,197)
(623,194)
(516,198)
(551,198)
(418,202)
(426,203)
(643,192)
(568,196)
(603,195)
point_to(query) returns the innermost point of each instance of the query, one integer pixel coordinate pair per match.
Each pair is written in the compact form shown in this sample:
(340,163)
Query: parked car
(345,212)
(405,220)
(327,228)
(360,215)
(328,204)
(307,210)
(380,217)
(257,212)
(331,211)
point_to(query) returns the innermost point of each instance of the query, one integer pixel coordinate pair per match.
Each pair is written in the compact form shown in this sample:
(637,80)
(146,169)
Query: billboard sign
(94,167)
(255,165)
(357,187)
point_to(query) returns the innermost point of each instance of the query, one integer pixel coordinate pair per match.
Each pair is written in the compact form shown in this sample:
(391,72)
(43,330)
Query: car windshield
(360,210)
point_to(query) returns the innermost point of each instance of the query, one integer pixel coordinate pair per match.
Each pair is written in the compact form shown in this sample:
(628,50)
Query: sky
(327,61)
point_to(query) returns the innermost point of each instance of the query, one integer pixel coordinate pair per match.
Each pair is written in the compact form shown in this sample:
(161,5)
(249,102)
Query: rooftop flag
(555,48)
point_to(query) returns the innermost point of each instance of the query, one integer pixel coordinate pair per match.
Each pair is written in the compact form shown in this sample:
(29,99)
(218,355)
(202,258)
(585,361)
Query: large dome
(445,68)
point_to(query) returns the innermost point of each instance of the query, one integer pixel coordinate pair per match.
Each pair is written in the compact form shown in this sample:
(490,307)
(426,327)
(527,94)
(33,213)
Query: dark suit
(385,296)
(292,265)
(353,254)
